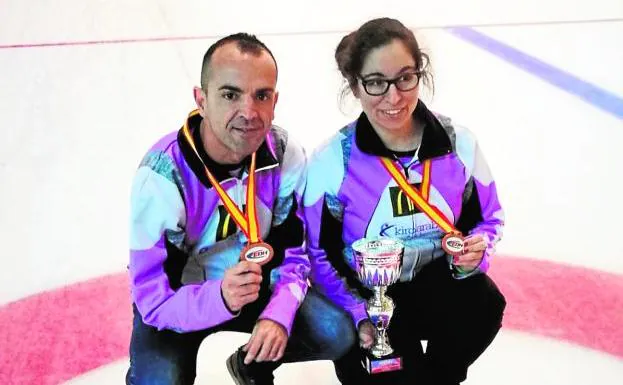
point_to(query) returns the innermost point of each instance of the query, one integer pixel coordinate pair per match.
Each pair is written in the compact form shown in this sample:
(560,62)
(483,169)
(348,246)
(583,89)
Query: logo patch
(406,231)
(401,204)
(226,225)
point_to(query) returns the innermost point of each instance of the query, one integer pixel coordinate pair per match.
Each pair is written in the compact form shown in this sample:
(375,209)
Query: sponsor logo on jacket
(226,225)
(401,204)
(405,232)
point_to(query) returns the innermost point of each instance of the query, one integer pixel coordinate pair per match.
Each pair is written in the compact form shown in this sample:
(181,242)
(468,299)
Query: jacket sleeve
(289,281)
(481,211)
(323,220)
(157,216)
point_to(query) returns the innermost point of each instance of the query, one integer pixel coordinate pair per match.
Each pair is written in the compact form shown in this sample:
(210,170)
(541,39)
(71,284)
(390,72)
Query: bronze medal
(453,243)
(258,252)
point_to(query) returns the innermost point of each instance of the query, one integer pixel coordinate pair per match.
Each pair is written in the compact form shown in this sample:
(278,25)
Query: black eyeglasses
(379,86)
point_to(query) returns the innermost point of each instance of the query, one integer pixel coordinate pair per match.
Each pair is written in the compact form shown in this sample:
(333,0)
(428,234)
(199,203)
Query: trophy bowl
(378,260)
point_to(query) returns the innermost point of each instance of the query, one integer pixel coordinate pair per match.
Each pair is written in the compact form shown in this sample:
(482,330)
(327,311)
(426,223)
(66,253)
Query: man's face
(239,101)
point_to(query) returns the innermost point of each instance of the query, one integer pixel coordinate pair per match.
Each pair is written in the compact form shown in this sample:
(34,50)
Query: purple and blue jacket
(183,239)
(350,195)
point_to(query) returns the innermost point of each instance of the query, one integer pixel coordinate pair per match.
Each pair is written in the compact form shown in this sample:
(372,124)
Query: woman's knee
(495,303)
(483,303)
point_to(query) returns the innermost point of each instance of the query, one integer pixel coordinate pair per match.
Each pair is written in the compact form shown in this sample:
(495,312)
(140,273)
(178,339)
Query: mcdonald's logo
(401,204)
(226,225)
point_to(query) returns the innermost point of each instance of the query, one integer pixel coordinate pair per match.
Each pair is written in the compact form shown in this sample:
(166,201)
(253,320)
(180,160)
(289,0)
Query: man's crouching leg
(161,357)
(321,331)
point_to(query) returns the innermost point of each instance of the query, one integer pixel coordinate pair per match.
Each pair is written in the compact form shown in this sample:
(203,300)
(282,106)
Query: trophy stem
(382,306)
(379,293)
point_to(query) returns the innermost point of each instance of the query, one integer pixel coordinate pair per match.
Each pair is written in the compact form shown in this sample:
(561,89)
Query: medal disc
(453,244)
(260,252)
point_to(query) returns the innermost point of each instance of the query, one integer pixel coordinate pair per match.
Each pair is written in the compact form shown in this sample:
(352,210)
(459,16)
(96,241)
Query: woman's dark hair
(355,47)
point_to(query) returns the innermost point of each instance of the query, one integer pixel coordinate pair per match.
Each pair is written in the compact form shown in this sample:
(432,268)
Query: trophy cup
(378,262)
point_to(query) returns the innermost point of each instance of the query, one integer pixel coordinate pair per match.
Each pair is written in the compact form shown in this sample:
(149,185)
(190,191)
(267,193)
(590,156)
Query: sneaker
(248,374)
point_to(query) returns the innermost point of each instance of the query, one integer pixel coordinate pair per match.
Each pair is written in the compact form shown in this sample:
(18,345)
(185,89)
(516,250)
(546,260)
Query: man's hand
(241,285)
(267,343)
(366,334)
(475,247)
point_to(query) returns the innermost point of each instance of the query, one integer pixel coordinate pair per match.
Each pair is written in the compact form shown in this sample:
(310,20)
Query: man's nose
(248,108)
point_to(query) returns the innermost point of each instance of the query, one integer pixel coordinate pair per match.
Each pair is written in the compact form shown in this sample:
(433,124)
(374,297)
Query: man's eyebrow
(230,88)
(265,89)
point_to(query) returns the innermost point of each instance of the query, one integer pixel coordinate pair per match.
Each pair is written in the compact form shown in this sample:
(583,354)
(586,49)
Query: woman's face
(392,111)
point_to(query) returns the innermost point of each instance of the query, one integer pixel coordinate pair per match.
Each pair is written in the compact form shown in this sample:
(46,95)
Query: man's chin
(243,151)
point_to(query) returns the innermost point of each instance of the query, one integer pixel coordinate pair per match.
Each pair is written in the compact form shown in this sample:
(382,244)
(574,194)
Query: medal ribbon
(247,222)
(420,199)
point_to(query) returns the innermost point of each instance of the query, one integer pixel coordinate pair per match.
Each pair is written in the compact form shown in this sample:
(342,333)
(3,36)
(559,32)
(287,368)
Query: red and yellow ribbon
(420,198)
(247,222)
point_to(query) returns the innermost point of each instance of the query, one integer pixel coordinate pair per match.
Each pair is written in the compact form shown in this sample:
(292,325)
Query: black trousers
(458,318)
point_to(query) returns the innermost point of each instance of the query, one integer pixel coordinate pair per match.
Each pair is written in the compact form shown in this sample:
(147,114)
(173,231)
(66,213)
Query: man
(211,204)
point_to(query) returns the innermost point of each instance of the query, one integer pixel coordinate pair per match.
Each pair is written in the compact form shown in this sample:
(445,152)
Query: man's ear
(200,99)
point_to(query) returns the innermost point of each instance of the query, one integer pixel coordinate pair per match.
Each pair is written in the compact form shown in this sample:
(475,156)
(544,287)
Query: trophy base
(375,365)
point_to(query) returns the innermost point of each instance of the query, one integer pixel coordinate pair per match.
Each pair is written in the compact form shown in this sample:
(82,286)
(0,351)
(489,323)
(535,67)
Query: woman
(406,173)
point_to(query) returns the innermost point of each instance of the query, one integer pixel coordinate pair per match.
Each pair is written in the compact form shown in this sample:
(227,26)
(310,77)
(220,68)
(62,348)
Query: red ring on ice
(54,336)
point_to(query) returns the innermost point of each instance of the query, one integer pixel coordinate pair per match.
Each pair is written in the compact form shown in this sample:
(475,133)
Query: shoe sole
(230,369)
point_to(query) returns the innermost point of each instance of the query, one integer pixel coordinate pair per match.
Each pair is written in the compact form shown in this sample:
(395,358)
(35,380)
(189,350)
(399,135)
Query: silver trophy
(379,262)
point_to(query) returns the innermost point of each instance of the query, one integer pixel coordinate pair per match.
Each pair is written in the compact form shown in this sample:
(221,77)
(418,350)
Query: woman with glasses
(403,172)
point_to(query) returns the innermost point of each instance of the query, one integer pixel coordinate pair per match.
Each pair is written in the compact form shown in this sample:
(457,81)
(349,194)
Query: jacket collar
(264,156)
